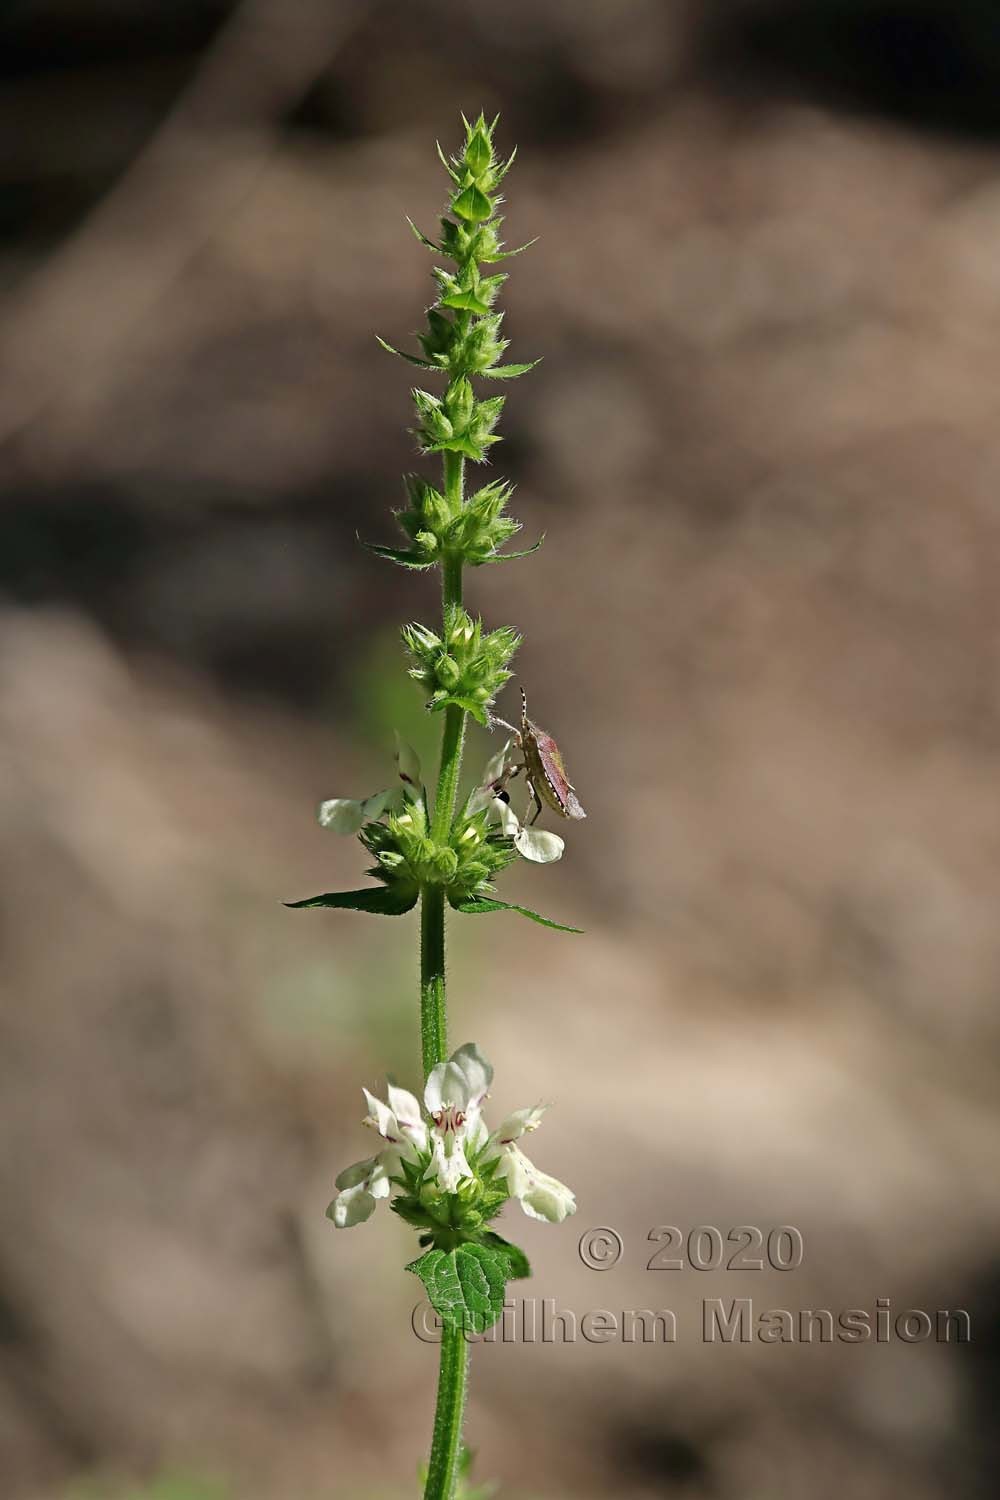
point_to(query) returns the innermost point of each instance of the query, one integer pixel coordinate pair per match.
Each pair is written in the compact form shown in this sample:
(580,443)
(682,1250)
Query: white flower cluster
(442,1139)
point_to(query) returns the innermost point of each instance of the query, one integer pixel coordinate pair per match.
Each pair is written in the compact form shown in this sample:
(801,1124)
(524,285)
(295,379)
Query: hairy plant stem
(433,1019)
(453,1371)
(447,1441)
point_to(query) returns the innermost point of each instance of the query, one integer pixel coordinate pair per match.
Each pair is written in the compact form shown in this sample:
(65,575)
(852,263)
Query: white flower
(538,845)
(400,1125)
(347,815)
(359,1186)
(541,1196)
(453,1099)
(399,1122)
(450,1143)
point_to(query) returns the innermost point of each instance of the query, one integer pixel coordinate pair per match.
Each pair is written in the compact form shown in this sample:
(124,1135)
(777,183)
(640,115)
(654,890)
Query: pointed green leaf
(509,254)
(477,710)
(519,1267)
(465,1286)
(505,168)
(449,168)
(423,237)
(424,364)
(396,555)
(381,900)
(466,301)
(463,445)
(478,153)
(475,904)
(472,204)
(499,557)
(506,372)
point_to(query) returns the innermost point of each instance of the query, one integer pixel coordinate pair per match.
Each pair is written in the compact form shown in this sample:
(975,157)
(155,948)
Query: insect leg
(499,787)
(515,732)
(537,801)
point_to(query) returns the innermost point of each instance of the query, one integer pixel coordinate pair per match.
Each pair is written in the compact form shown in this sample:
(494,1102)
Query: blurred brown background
(763,445)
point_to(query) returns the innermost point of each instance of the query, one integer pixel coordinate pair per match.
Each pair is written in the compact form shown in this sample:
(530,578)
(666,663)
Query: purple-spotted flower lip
(438,1139)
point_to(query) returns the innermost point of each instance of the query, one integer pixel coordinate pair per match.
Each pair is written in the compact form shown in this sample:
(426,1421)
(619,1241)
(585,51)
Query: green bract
(438,528)
(463,665)
(407,857)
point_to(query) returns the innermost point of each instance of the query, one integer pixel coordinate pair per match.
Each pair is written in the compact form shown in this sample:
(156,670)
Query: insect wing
(554,769)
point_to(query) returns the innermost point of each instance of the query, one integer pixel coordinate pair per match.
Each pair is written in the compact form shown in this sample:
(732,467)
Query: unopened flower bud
(478,150)
(445,862)
(436,510)
(460,403)
(447,671)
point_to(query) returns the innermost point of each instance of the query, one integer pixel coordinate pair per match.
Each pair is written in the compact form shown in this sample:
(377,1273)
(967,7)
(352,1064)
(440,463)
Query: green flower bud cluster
(483,851)
(463,339)
(407,858)
(441,526)
(458,423)
(463,666)
(450,1219)
(471,350)
(463,333)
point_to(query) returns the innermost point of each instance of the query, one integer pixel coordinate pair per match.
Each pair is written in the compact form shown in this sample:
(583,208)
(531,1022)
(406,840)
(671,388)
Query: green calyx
(443,528)
(448,1220)
(408,858)
(457,423)
(464,665)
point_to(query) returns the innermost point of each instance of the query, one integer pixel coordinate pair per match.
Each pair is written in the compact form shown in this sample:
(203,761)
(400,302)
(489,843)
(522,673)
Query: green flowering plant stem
(441,1168)
(449,1413)
(453,1370)
(433,1006)
(433,1012)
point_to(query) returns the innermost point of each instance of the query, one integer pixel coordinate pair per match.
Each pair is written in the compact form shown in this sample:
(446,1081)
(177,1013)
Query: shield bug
(543,767)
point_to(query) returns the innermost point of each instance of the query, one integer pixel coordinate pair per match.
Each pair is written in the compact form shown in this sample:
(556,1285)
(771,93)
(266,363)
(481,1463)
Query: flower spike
(436,1161)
